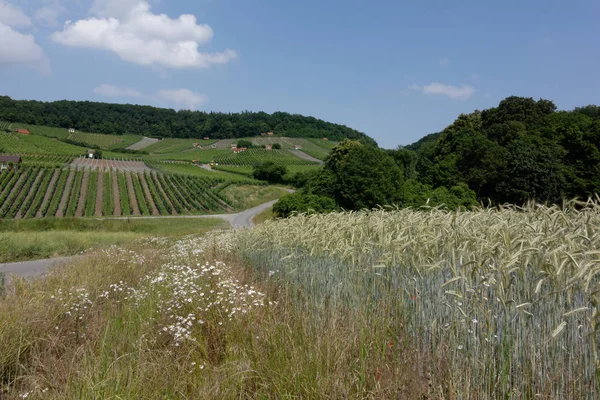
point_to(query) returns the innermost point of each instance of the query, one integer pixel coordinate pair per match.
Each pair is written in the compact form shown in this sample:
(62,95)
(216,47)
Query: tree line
(160,122)
(520,151)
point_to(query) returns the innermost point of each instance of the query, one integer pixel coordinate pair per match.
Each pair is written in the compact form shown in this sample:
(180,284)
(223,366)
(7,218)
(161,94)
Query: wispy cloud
(48,14)
(444,62)
(176,98)
(462,93)
(12,15)
(183,98)
(116,91)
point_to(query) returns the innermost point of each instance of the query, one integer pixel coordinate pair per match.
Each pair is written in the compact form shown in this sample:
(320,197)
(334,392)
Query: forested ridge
(161,122)
(520,151)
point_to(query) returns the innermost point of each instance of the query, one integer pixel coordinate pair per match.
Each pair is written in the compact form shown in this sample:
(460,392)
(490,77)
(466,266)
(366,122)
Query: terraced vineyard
(104,141)
(38,192)
(248,170)
(47,160)
(259,156)
(317,148)
(15,143)
(176,145)
(58,133)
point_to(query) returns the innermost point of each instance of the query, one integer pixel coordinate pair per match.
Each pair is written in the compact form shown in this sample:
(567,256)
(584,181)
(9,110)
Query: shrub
(303,203)
(270,172)
(244,143)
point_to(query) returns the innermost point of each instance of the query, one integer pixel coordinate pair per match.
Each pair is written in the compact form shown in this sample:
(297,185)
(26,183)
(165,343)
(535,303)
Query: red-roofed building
(269,147)
(23,131)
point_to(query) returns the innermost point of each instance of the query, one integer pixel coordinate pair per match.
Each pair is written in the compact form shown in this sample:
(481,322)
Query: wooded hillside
(161,122)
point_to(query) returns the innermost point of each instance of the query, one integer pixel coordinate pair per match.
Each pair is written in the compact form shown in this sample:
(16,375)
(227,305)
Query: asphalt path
(240,220)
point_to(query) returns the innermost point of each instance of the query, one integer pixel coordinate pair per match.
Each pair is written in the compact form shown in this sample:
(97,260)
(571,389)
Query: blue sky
(394,70)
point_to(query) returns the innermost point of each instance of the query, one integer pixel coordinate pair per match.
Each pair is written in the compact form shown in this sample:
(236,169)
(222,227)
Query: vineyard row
(38,192)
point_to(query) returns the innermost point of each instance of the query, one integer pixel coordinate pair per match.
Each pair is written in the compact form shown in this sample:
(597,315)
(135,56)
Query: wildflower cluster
(76,301)
(185,293)
(191,295)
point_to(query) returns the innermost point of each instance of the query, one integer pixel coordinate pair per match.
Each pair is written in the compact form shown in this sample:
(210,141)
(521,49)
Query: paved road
(30,268)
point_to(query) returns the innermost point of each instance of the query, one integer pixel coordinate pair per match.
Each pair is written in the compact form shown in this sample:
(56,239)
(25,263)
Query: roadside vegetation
(248,196)
(430,304)
(39,239)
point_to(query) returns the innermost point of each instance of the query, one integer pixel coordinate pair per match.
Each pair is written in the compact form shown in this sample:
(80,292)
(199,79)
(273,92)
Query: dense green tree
(244,143)
(338,154)
(521,150)
(270,172)
(368,177)
(303,203)
(406,159)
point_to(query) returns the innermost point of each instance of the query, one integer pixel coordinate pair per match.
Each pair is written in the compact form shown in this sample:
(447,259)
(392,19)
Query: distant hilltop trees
(161,122)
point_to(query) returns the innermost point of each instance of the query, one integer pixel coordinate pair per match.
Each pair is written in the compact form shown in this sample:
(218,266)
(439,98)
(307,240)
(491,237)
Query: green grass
(248,196)
(236,169)
(36,239)
(266,215)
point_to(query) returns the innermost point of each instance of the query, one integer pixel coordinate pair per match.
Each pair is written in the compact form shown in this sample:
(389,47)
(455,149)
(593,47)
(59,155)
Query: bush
(245,143)
(270,172)
(276,146)
(303,203)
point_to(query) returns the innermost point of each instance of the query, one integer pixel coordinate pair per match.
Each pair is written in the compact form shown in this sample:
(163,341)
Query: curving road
(31,268)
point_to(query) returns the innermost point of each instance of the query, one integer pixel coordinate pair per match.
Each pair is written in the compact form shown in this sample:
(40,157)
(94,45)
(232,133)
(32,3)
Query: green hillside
(129,119)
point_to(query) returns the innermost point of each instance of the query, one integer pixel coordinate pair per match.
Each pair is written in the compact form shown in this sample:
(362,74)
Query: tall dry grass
(157,321)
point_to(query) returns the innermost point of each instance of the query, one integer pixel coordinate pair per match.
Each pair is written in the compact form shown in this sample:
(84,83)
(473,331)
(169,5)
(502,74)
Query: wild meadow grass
(22,240)
(397,304)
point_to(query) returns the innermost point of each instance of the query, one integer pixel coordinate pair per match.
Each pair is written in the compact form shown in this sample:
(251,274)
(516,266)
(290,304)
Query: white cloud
(15,47)
(444,62)
(11,15)
(129,29)
(48,15)
(18,48)
(116,91)
(183,98)
(463,92)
